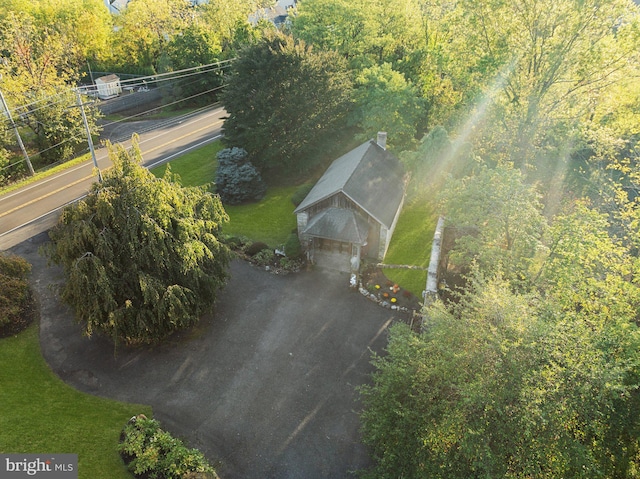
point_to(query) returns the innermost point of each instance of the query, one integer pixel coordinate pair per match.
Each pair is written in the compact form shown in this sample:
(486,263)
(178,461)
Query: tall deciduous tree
(543,65)
(285,101)
(141,254)
(385,101)
(504,385)
(504,215)
(37,73)
(365,32)
(145,28)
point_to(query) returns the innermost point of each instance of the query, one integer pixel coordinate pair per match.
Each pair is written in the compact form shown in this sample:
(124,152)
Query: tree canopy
(506,385)
(285,101)
(141,254)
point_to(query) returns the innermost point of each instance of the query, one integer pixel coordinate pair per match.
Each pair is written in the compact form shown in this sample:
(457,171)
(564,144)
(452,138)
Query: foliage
(541,66)
(35,74)
(264,257)
(505,386)
(587,271)
(301,193)
(154,453)
(195,45)
(272,112)
(506,215)
(385,101)
(255,247)
(365,32)
(14,288)
(42,413)
(293,248)
(237,180)
(140,254)
(435,160)
(228,22)
(145,28)
(269,220)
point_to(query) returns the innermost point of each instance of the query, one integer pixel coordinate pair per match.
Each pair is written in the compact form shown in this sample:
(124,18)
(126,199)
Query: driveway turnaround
(265,386)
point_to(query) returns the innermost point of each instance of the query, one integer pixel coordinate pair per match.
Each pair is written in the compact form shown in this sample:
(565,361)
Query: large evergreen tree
(285,101)
(141,254)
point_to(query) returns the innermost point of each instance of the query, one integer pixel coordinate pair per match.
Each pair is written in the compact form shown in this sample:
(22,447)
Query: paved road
(35,208)
(266,385)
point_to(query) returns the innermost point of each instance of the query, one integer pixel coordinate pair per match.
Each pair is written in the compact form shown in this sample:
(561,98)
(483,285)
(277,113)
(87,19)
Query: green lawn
(411,244)
(270,220)
(41,414)
(196,168)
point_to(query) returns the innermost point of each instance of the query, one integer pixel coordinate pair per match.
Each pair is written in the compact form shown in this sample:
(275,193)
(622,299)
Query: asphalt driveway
(265,387)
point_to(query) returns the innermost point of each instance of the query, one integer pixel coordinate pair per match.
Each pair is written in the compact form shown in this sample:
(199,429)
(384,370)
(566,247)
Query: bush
(237,180)
(236,242)
(151,452)
(14,293)
(264,257)
(292,248)
(291,265)
(301,193)
(255,248)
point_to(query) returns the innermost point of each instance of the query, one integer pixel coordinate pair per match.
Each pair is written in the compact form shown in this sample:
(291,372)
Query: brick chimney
(382,140)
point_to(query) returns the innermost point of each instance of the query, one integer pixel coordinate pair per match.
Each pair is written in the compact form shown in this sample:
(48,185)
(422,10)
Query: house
(108,86)
(277,14)
(352,210)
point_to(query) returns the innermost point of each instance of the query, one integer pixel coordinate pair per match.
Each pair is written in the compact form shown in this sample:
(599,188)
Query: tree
(365,32)
(385,101)
(504,385)
(195,46)
(505,217)
(145,28)
(237,180)
(537,67)
(437,159)
(140,254)
(285,101)
(36,77)
(85,25)
(228,21)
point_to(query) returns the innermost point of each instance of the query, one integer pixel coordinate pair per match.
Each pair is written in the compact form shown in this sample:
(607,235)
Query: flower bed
(375,286)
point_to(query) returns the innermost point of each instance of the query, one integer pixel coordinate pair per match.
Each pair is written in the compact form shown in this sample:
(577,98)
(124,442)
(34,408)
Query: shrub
(291,265)
(255,248)
(237,242)
(301,193)
(237,180)
(292,248)
(264,257)
(14,293)
(152,452)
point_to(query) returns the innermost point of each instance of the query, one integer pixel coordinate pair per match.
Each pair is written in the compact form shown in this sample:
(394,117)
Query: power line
(139,81)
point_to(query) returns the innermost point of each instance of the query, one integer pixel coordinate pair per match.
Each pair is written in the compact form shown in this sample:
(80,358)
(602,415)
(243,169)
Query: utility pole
(89,139)
(15,130)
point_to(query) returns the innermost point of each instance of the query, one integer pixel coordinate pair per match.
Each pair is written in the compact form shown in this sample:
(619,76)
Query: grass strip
(195,168)
(411,245)
(41,414)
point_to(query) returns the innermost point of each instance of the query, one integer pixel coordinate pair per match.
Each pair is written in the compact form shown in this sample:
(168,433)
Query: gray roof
(339,224)
(369,175)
